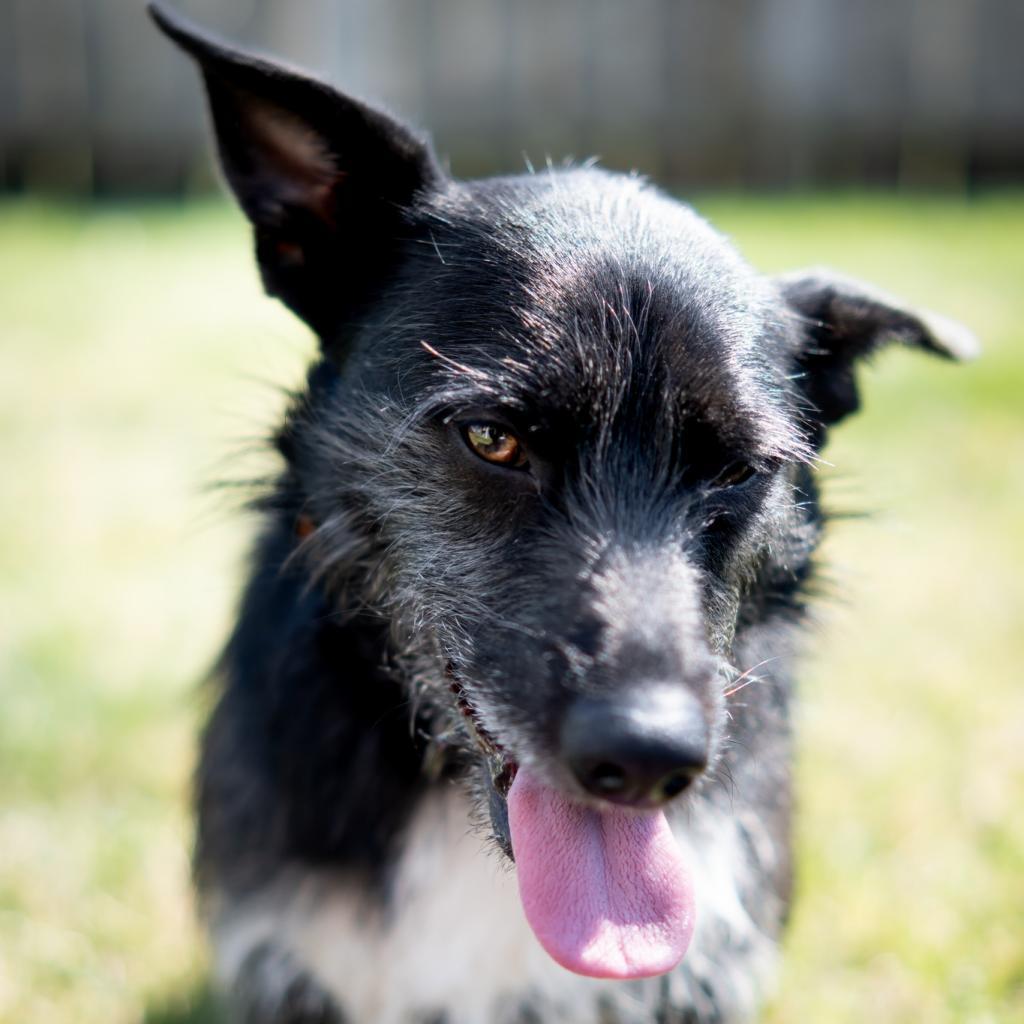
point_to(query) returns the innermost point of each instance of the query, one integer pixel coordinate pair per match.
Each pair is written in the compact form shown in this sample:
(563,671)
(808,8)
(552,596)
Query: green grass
(139,362)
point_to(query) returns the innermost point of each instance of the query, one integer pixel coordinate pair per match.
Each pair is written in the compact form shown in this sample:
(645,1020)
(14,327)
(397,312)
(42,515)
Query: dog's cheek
(737,554)
(728,563)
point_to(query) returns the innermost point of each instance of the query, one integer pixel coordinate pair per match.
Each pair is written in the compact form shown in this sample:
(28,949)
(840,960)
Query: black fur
(415,612)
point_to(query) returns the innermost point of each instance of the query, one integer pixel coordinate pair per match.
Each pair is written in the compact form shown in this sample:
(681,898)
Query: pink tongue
(607,893)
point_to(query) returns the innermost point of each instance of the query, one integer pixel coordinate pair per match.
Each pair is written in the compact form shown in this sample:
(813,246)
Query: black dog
(547,513)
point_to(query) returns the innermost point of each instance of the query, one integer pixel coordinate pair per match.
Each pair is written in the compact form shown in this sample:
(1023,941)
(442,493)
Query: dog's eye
(495,444)
(735,474)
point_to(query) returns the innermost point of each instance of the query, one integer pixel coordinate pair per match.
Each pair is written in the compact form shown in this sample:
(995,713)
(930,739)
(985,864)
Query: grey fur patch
(272,987)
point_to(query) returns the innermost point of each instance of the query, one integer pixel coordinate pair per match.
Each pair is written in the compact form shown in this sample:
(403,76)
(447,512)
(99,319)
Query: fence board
(721,92)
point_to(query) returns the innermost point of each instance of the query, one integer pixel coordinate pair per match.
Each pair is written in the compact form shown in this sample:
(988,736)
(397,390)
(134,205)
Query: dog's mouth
(606,890)
(502,768)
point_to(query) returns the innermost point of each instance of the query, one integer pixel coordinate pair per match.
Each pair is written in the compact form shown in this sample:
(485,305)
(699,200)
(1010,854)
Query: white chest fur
(454,940)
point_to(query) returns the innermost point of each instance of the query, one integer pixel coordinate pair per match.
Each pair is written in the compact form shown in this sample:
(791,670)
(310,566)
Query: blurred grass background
(141,362)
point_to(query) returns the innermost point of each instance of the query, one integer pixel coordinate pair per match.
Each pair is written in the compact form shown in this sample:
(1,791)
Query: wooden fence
(695,92)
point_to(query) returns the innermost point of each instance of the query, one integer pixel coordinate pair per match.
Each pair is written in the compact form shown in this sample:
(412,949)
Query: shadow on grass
(200,1006)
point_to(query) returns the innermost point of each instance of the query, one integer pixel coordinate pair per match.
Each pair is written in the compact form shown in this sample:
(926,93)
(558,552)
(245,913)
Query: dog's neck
(333,761)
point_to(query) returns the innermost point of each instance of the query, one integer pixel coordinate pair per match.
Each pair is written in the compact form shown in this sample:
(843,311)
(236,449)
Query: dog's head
(566,434)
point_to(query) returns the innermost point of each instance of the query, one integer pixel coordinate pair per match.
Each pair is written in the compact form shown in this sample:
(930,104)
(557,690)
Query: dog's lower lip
(503,768)
(504,777)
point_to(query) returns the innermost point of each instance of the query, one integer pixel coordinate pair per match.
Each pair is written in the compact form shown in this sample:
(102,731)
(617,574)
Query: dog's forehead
(573,245)
(577,291)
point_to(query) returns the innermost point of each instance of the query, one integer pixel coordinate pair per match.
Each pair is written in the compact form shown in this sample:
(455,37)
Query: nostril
(605,778)
(672,785)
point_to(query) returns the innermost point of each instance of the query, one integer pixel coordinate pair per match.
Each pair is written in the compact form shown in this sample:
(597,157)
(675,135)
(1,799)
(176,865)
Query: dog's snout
(640,750)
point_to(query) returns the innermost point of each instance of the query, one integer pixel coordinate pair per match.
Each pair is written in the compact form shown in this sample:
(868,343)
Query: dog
(502,734)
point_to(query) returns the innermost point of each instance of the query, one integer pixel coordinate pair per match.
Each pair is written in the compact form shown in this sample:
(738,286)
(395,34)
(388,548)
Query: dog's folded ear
(323,178)
(843,321)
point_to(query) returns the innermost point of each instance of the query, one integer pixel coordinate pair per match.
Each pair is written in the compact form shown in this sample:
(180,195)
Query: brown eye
(734,474)
(495,444)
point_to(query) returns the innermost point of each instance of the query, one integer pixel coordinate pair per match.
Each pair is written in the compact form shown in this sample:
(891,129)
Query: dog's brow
(452,363)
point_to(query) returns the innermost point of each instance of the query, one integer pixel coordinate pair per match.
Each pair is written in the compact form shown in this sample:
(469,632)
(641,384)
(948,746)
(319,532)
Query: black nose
(640,750)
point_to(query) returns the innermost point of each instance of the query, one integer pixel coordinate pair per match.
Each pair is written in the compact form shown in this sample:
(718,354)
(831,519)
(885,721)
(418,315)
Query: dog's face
(579,441)
(564,430)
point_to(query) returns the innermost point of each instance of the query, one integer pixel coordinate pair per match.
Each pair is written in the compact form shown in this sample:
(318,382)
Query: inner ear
(279,163)
(840,321)
(326,180)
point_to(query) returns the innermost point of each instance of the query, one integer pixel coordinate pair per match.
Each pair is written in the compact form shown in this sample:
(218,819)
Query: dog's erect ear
(323,178)
(844,321)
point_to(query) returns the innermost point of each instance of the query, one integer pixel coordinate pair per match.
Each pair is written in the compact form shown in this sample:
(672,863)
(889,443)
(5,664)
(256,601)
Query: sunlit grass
(140,361)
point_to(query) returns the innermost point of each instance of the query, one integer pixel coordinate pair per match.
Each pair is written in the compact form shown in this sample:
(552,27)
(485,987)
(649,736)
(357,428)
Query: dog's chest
(453,942)
(455,934)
